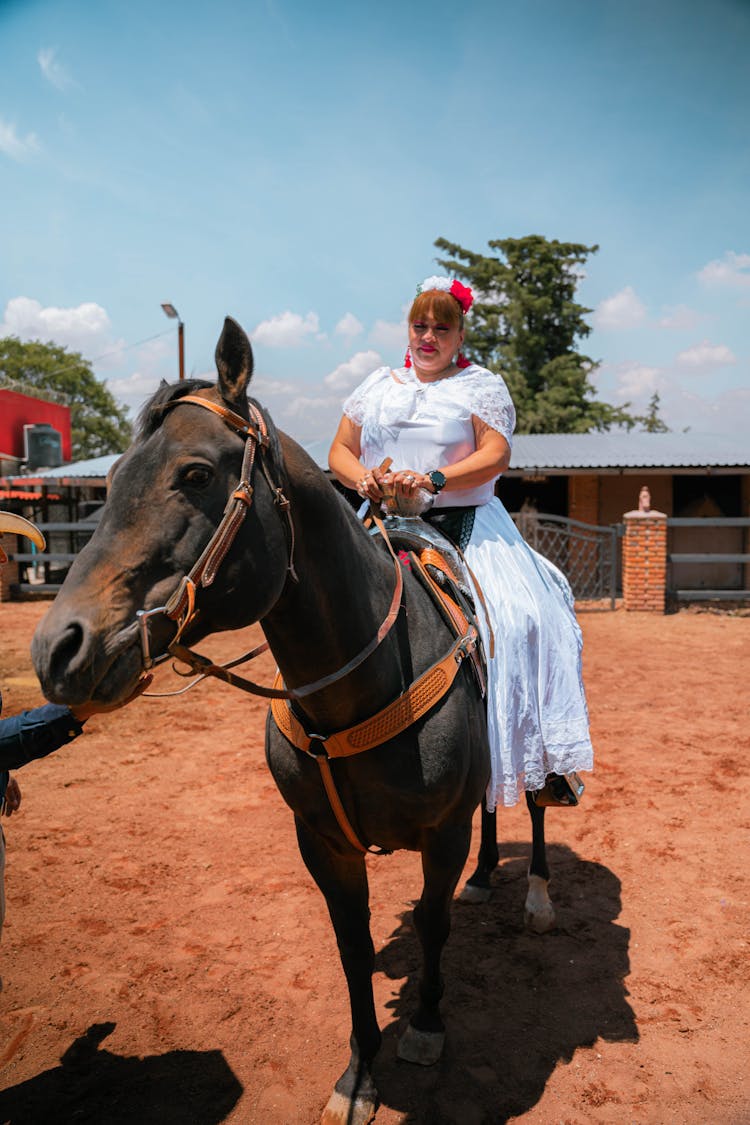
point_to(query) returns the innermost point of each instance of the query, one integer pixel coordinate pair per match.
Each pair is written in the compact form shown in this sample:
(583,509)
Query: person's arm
(36,733)
(490,458)
(344,462)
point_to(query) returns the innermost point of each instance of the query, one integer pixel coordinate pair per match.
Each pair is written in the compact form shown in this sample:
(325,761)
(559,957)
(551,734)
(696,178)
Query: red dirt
(167,959)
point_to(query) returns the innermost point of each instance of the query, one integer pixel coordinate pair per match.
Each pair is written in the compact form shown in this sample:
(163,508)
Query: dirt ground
(167,959)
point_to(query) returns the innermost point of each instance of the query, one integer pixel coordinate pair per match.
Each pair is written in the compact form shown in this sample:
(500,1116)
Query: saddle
(426,552)
(432,549)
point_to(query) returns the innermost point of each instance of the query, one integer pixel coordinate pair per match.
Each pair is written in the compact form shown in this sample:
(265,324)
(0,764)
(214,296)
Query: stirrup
(560,790)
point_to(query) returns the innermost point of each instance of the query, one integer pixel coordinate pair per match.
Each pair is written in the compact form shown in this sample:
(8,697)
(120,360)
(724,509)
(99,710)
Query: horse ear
(234,362)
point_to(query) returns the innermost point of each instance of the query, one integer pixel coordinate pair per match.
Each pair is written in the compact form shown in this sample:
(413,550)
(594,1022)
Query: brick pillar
(8,577)
(644,561)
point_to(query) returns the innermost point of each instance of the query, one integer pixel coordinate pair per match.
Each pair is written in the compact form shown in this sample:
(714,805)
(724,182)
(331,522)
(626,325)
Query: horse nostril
(65,650)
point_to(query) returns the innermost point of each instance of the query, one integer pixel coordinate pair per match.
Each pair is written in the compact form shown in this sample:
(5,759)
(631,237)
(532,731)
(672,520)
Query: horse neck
(325,619)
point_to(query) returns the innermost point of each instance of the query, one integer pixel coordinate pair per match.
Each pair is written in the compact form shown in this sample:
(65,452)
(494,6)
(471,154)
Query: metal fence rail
(45,570)
(585,553)
(735,564)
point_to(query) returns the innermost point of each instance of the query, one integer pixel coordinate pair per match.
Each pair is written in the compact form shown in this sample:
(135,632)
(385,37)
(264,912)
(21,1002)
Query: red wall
(17,411)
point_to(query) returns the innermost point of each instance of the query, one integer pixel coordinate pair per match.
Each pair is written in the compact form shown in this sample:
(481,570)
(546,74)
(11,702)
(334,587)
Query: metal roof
(620,451)
(95,468)
(614,451)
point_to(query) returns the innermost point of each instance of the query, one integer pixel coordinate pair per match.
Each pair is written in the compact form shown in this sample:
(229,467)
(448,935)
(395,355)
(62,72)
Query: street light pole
(181,347)
(172,313)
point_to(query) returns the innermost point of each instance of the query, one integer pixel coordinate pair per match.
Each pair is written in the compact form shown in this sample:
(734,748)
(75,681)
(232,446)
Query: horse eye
(196,475)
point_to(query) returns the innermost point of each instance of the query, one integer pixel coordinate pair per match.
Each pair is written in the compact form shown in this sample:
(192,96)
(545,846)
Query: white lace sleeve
(355,405)
(490,400)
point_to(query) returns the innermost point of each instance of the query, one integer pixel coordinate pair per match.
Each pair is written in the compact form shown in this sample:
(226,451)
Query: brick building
(593,478)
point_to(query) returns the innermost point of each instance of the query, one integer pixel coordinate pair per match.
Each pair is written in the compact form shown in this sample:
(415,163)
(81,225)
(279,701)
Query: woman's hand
(12,800)
(408,482)
(371,483)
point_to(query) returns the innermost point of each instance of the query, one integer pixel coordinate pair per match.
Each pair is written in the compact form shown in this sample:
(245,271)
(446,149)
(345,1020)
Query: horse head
(167,496)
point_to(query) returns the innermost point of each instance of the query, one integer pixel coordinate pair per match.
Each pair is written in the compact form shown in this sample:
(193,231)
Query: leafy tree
(651,421)
(48,371)
(525,323)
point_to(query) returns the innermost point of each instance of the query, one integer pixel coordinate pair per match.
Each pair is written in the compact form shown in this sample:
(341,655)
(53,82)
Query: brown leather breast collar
(419,698)
(423,694)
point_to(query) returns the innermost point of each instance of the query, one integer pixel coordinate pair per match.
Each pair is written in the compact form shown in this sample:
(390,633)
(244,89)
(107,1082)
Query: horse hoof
(542,922)
(422,1047)
(539,913)
(343,1111)
(474,894)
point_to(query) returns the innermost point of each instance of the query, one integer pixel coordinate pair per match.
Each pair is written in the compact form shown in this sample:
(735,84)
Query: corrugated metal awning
(614,451)
(618,451)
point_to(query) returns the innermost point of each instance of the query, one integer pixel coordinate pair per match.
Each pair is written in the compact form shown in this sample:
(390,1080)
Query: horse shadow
(92,1086)
(516,1004)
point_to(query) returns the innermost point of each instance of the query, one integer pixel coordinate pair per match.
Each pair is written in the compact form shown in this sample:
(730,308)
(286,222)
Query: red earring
(407,358)
(462,361)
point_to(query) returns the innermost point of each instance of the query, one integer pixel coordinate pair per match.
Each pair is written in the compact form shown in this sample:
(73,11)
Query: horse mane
(152,415)
(153,411)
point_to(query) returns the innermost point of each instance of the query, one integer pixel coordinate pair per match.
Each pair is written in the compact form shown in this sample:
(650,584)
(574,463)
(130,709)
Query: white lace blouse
(422,426)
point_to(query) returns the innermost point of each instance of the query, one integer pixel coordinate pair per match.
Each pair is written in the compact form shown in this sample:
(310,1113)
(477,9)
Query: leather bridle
(182,607)
(391,720)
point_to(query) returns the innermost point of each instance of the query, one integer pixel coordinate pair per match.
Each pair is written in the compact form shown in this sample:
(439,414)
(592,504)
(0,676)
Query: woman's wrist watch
(437,480)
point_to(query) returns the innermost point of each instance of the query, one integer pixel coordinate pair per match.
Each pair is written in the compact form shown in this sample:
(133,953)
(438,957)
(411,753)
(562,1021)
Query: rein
(420,697)
(181,606)
(203,666)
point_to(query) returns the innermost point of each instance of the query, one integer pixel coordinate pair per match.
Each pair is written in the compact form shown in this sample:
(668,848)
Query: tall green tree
(651,421)
(525,323)
(99,425)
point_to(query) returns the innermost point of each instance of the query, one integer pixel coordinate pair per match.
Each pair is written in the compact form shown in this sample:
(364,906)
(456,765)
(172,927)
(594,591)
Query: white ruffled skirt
(537,715)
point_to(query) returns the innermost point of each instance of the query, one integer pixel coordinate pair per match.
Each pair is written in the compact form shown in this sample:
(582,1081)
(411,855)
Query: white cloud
(725,413)
(390,337)
(287,330)
(684,402)
(304,406)
(621,311)
(263,388)
(347,375)
(348,326)
(83,328)
(705,356)
(732,271)
(54,71)
(155,360)
(680,318)
(17,148)
(306,411)
(136,387)
(731,411)
(637,382)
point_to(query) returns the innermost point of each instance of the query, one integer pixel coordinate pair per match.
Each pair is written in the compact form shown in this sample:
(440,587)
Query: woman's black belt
(455,523)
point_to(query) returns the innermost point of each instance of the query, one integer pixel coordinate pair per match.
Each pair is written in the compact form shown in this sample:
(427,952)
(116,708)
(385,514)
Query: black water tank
(42,445)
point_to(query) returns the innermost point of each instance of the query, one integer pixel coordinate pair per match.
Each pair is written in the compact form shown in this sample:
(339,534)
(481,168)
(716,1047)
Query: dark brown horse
(301,564)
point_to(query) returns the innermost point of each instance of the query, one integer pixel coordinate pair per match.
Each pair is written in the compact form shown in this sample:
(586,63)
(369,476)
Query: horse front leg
(539,913)
(343,881)
(443,857)
(477,888)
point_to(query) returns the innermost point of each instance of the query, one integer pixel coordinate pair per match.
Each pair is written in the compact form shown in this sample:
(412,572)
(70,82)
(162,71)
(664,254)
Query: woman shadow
(91,1087)
(515,1004)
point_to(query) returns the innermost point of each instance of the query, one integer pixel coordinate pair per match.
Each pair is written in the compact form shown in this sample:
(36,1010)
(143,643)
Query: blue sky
(291,165)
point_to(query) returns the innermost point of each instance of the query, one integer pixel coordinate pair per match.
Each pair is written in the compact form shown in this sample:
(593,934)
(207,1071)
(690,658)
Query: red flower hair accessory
(462,293)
